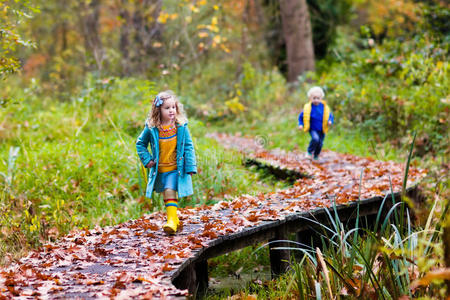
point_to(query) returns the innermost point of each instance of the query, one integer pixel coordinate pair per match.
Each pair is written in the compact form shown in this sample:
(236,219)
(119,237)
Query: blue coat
(186,162)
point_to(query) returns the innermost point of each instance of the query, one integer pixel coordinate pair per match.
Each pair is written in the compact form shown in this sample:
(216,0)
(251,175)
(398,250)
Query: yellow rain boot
(171,226)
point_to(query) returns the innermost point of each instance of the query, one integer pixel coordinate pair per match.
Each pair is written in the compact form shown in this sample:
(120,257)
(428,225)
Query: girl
(172,159)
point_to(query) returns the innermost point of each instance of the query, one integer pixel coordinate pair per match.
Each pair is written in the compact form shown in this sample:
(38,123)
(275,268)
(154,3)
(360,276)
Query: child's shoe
(316,157)
(173,222)
(309,155)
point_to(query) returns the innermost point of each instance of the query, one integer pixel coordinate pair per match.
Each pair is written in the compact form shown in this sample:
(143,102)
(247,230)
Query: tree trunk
(138,31)
(124,41)
(90,13)
(298,36)
(146,32)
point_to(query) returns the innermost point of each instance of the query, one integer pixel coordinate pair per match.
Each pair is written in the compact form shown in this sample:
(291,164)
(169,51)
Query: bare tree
(297,34)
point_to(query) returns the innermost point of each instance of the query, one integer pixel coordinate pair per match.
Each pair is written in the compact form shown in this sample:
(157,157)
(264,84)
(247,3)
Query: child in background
(315,118)
(172,159)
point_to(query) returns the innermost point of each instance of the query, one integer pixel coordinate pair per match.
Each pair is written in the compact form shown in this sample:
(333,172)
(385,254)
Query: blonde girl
(172,158)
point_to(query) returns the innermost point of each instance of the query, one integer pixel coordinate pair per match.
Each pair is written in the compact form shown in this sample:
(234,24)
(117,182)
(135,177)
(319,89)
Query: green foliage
(11,14)
(127,38)
(238,262)
(392,89)
(437,21)
(250,96)
(326,16)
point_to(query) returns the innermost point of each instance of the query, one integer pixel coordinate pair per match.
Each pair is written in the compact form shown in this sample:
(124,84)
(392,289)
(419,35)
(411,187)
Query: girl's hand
(150,164)
(191,173)
(300,127)
(329,122)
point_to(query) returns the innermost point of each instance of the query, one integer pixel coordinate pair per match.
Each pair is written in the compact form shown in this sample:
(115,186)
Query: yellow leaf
(216,7)
(213,28)
(194,8)
(217,39)
(163,16)
(202,34)
(234,105)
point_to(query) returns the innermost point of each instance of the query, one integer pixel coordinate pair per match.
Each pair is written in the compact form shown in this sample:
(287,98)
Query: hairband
(158,101)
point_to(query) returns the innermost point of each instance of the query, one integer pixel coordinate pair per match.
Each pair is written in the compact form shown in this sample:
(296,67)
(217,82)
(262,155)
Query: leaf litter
(137,259)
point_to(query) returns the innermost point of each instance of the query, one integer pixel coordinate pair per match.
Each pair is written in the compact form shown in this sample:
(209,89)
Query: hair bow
(158,101)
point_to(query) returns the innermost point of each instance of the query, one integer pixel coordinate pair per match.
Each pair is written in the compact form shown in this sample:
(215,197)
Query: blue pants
(316,143)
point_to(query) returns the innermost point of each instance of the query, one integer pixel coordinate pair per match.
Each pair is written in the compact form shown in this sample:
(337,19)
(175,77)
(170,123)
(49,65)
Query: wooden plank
(279,258)
(304,222)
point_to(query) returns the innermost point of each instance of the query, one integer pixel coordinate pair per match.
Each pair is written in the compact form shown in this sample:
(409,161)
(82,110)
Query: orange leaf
(166,268)
(439,274)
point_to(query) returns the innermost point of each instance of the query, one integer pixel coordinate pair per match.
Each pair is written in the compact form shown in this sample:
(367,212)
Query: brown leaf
(100,251)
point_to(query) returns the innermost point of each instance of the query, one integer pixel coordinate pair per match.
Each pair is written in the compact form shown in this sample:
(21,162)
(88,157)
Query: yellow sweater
(167,149)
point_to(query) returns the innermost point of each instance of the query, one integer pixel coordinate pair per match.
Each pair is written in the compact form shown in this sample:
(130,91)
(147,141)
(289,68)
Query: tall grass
(356,262)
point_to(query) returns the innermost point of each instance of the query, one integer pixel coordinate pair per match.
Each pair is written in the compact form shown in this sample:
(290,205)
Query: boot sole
(169,230)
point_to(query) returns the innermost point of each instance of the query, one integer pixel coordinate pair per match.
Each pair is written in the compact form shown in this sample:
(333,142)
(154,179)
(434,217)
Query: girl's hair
(154,116)
(314,90)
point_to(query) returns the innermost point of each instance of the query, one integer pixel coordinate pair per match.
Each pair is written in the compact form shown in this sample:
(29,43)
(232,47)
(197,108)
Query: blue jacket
(316,118)
(186,162)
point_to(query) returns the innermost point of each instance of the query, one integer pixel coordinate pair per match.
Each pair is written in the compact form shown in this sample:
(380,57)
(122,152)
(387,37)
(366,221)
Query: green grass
(77,166)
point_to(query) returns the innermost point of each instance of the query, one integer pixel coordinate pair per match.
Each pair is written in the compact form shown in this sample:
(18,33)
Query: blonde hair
(316,89)
(154,115)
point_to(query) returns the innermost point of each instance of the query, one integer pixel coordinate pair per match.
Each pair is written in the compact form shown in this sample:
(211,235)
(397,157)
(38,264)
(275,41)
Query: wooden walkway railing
(136,259)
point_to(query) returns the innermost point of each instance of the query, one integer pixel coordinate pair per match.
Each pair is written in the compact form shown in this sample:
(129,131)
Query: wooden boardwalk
(136,259)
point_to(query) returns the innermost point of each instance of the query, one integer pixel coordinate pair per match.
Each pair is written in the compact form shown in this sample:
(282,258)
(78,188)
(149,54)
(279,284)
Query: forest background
(78,78)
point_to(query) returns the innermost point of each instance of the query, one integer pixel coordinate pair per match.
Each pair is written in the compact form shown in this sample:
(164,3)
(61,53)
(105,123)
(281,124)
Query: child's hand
(329,122)
(191,173)
(300,127)
(150,164)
